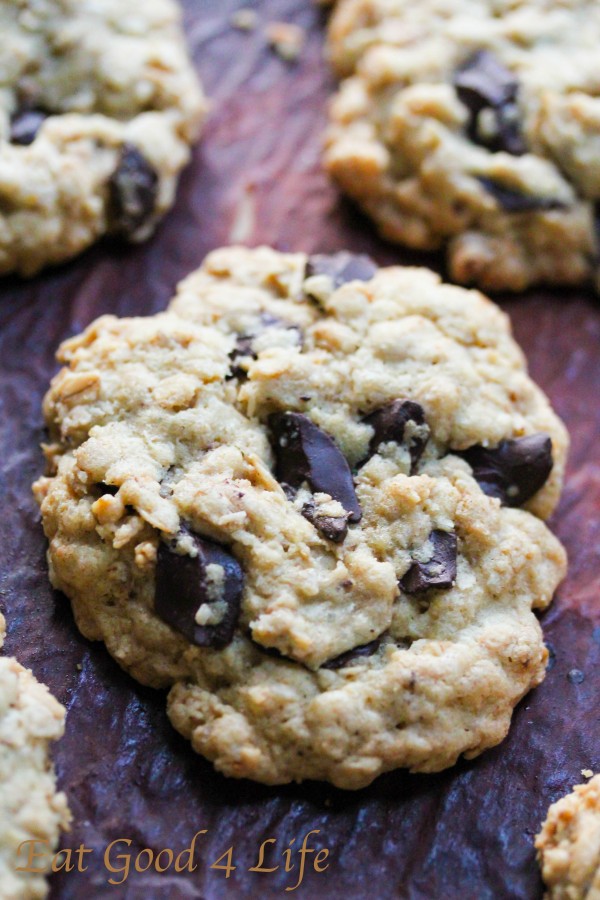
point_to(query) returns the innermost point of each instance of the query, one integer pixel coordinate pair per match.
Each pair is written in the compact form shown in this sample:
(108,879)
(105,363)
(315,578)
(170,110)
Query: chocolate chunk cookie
(568,845)
(472,126)
(30,807)
(98,108)
(319,541)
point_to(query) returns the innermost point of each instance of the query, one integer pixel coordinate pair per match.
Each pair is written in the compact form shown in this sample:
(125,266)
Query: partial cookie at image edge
(31,808)
(568,845)
(460,130)
(93,143)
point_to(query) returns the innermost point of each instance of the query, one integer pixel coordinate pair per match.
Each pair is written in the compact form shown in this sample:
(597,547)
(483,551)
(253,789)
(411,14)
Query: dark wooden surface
(466,833)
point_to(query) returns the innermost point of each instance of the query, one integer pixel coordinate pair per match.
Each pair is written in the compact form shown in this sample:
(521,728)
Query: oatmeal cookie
(98,108)
(309,497)
(473,126)
(30,807)
(568,845)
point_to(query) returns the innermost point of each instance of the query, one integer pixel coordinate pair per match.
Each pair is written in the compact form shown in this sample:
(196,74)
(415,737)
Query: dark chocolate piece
(306,453)
(333,528)
(439,572)
(344,659)
(243,349)
(485,83)
(182,586)
(513,471)
(269,651)
(132,191)
(24,126)
(389,424)
(107,488)
(341,267)
(514,201)
(244,342)
(509,137)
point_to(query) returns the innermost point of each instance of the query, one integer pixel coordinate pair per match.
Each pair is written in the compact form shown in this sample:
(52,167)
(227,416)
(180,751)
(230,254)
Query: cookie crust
(30,806)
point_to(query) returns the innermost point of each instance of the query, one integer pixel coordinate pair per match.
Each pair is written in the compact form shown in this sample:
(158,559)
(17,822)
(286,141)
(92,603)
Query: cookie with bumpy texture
(309,498)
(98,107)
(472,126)
(31,809)
(568,845)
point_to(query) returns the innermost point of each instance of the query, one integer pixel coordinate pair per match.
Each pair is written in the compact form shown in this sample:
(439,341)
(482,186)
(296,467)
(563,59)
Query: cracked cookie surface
(98,107)
(309,497)
(472,126)
(31,809)
(568,845)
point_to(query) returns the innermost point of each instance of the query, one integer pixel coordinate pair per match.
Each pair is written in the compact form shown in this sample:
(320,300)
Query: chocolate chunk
(244,343)
(243,349)
(24,126)
(344,659)
(514,470)
(389,424)
(184,584)
(132,192)
(341,267)
(514,201)
(273,652)
(439,572)
(485,83)
(268,319)
(107,488)
(243,346)
(508,137)
(305,453)
(333,528)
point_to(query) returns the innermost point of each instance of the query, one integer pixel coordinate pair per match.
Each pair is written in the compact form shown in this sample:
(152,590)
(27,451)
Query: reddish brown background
(463,834)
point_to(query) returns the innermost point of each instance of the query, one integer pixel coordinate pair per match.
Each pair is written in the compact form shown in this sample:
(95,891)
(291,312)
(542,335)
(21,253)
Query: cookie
(568,845)
(30,807)
(309,498)
(471,126)
(98,108)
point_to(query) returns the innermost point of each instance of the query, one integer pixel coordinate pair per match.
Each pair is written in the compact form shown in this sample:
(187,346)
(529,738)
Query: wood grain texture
(466,833)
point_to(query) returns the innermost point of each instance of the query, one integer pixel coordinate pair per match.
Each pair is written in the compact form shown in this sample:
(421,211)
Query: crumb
(245,19)
(587,773)
(79,667)
(244,219)
(287,40)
